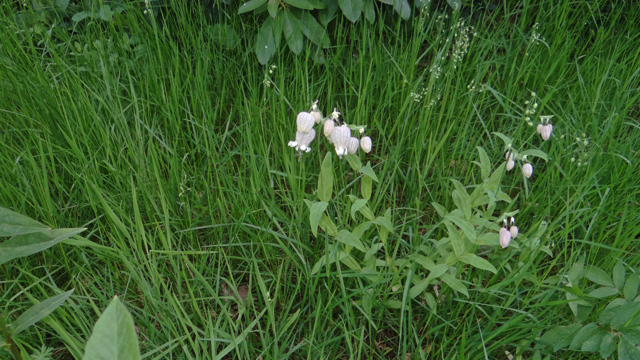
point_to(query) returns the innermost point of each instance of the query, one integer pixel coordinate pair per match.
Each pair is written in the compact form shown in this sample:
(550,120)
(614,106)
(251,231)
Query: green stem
(7,337)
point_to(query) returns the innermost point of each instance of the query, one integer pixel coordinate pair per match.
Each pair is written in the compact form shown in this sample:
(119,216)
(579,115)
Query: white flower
(546,132)
(510,165)
(508,155)
(302,141)
(335,114)
(329,125)
(340,137)
(513,230)
(505,237)
(365,144)
(352,145)
(305,122)
(317,115)
(539,128)
(527,170)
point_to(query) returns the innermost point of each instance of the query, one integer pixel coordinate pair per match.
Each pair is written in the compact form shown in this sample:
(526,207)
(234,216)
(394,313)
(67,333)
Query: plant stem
(7,337)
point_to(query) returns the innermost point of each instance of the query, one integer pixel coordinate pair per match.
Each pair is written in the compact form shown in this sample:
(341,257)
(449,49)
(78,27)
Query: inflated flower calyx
(329,125)
(546,132)
(352,145)
(539,128)
(365,144)
(510,164)
(305,122)
(508,155)
(302,141)
(527,170)
(340,137)
(317,115)
(505,237)
(513,230)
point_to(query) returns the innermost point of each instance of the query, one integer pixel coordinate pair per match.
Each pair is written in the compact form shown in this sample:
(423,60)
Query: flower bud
(365,144)
(527,170)
(513,231)
(340,136)
(508,155)
(352,145)
(305,122)
(328,128)
(317,115)
(510,165)
(546,132)
(539,128)
(505,237)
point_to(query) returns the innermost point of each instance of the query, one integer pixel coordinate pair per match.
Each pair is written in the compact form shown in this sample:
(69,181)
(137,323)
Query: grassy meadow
(171,150)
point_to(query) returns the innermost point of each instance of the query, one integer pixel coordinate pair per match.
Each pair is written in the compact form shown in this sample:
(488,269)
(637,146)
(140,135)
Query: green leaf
(439,209)
(593,343)
(328,226)
(466,226)
(62,4)
(312,30)
(608,345)
(604,292)
(13,223)
(535,153)
(541,229)
(491,239)
(494,180)
(506,139)
(626,351)
(272,7)
(477,261)
(329,13)
(624,312)
(79,16)
(632,335)
(619,275)
(367,170)
(265,42)
(349,261)
(631,286)
(583,335)
(369,11)
(356,206)
(455,4)
(315,214)
(456,240)
(393,304)
(365,186)
(383,221)
(317,4)
(350,239)
(485,163)
(627,318)
(576,271)
(436,272)
(28,244)
(224,35)
(114,336)
(354,161)
(461,199)
(455,284)
(403,8)
(598,276)
(325,181)
(38,312)
(251,5)
(564,337)
(300,4)
(105,12)
(366,212)
(351,9)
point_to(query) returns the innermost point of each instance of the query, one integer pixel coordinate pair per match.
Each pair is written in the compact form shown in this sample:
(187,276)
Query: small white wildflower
(335,114)
(365,144)
(505,237)
(328,127)
(305,140)
(546,132)
(508,155)
(305,122)
(513,230)
(527,170)
(539,128)
(510,165)
(340,137)
(352,145)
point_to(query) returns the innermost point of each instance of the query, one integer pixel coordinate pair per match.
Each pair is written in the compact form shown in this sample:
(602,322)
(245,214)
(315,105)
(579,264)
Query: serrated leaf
(351,9)
(325,180)
(367,170)
(250,5)
(28,244)
(365,186)
(348,238)
(618,275)
(477,261)
(604,292)
(608,345)
(631,286)
(114,335)
(13,223)
(626,351)
(583,335)
(38,312)
(369,11)
(265,42)
(312,30)
(466,226)
(315,214)
(455,284)
(485,163)
(357,205)
(598,276)
(535,153)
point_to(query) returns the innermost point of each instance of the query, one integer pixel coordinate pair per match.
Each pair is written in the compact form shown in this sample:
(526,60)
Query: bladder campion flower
(305,122)
(317,114)
(510,164)
(505,237)
(302,141)
(365,144)
(352,145)
(340,137)
(546,132)
(513,230)
(527,170)
(329,125)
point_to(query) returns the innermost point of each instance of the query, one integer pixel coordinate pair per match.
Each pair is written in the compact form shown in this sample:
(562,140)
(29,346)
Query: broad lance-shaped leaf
(300,4)
(598,276)
(315,214)
(485,163)
(292,32)
(38,312)
(477,261)
(618,275)
(325,181)
(455,284)
(311,29)
(369,11)
(348,238)
(265,43)
(114,335)
(251,5)
(367,170)
(631,286)
(28,244)
(351,9)
(13,223)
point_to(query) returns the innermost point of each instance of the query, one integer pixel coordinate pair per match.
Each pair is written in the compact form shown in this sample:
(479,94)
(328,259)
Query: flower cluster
(511,156)
(338,134)
(545,128)
(532,105)
(461,47)
(507,234)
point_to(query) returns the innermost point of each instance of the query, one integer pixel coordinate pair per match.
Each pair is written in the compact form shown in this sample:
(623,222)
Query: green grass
(175,158)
